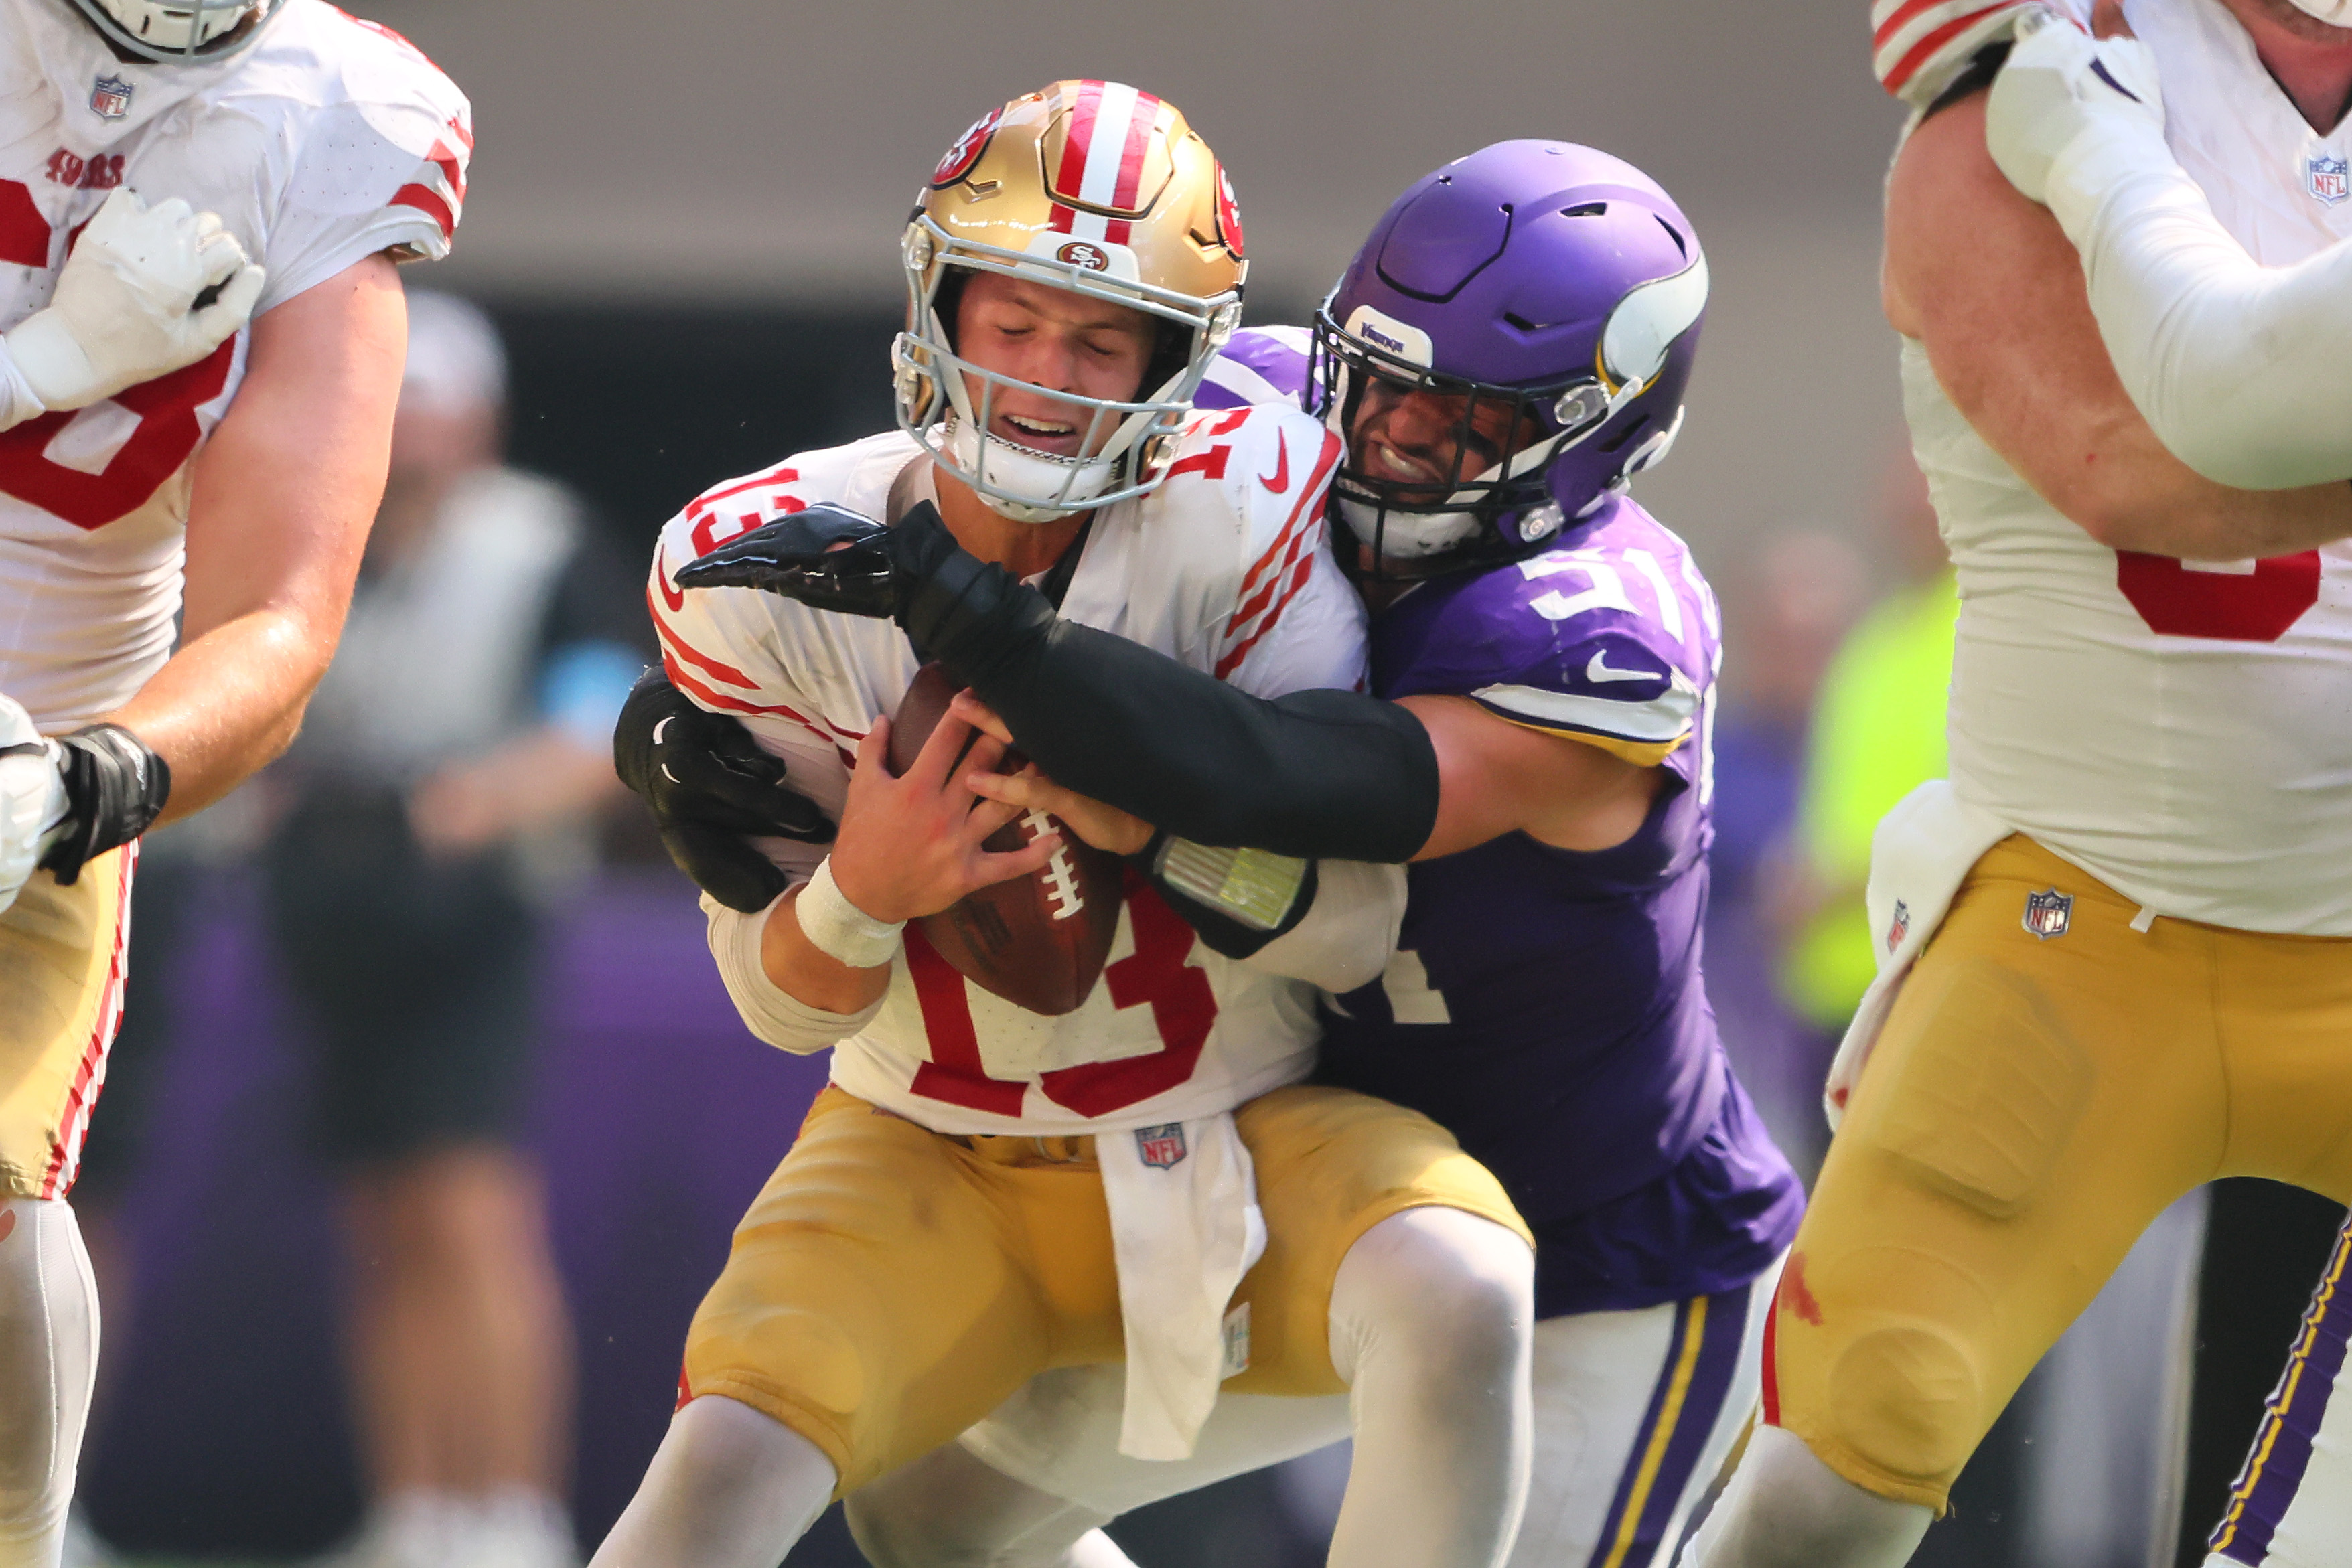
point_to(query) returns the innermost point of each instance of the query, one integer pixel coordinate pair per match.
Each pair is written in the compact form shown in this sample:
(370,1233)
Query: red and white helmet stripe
(1102,161)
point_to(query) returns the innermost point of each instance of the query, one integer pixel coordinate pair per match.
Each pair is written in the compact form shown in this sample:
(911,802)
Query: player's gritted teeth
(1040,432)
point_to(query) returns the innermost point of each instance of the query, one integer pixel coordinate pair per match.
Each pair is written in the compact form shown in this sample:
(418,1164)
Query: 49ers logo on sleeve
(1229,214)
(967,150)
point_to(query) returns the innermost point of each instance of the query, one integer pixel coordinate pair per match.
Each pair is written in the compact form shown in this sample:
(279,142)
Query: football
(1038,941)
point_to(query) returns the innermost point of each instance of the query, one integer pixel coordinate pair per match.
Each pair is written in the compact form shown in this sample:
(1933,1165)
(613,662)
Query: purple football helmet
(1550,298)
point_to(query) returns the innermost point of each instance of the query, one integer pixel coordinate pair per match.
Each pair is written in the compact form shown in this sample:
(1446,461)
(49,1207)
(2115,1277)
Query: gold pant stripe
(890,1286)
(62,961)
(2041,1092)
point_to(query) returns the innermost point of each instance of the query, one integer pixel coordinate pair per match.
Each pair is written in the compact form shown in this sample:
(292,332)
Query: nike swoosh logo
(1600,670)
(673,597)
(1280,481)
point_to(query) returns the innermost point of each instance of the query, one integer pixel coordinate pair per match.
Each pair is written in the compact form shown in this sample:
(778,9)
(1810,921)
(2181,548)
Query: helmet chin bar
(177,32)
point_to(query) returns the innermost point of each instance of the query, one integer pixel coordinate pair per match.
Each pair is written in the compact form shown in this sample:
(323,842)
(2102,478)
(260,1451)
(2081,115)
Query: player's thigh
(1634,1412)
(61,968)
(2033,1103)
(1059,1435)
(1331,1163)
(2284,1008)
(881,1295)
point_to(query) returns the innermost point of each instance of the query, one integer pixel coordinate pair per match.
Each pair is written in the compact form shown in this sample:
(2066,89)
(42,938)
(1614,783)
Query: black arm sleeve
(1317,774)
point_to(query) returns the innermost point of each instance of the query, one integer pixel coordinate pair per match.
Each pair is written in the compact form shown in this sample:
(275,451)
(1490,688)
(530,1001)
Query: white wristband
(838,928)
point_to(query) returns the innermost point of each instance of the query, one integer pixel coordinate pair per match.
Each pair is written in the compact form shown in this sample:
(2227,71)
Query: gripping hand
(2063,90)
(711,790)
(126,309)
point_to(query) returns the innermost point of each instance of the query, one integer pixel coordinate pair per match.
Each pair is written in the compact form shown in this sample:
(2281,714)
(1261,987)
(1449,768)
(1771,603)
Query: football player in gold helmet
(985,1192)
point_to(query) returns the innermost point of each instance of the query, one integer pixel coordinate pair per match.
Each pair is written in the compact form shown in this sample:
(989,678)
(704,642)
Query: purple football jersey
(1547,1005)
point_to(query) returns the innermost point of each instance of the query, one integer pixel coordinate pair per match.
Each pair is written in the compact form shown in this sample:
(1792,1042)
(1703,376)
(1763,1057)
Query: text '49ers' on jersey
(327,142)
(2181,731)
(1223,568)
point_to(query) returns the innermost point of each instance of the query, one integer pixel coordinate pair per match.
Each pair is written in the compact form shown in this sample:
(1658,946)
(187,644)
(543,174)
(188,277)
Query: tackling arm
(284,495)
(2239,368)
(1987,280)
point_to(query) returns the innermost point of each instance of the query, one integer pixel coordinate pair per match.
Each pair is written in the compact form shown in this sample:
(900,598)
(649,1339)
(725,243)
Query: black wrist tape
(115,788)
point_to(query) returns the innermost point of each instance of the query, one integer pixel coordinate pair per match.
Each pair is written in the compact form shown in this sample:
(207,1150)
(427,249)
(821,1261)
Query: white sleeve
(1350,934)
(2241,369)
(769,1012)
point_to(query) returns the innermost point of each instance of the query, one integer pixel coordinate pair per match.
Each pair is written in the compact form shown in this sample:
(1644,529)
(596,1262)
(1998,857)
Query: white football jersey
(2182,730)
(329,139)
(1223,568)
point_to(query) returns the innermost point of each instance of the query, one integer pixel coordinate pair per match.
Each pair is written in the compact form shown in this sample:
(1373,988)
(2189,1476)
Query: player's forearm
(2239,368)
(795,965)
(228,703)
(2128,490)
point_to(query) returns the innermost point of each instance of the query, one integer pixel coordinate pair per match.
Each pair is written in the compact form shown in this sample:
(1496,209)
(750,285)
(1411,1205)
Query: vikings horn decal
(1647,321)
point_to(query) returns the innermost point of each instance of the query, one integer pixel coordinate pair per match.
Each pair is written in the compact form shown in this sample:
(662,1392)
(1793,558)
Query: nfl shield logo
(2328,179)
(110,99)
(1161,1146)
(2047,913)
(1899,927)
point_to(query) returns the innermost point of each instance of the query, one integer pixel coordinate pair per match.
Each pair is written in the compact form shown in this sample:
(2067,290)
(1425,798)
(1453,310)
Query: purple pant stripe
(2281,1452)
(1720,1330)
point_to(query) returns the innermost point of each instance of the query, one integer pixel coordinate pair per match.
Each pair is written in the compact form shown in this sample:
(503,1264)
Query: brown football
(1038,941)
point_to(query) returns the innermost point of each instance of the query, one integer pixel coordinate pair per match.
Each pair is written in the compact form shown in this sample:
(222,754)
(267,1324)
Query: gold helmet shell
(1101,189)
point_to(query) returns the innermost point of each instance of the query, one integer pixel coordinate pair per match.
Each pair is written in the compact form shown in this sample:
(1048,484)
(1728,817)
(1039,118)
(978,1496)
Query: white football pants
(1635,1413)
(48,1360)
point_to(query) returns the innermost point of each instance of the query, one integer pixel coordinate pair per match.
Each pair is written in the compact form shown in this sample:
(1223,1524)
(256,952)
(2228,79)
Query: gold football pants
(61,967)
(890,1286)
(2035,1100)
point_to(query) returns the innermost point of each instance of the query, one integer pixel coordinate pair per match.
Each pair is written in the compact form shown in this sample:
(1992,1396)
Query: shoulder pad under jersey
(1613,637)
(375,141)
(1237,527)
(1260,364)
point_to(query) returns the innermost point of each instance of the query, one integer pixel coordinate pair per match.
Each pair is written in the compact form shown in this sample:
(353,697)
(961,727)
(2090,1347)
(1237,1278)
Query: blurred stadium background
(684,220)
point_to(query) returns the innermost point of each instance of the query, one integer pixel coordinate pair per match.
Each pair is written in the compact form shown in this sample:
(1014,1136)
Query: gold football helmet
(1100,189)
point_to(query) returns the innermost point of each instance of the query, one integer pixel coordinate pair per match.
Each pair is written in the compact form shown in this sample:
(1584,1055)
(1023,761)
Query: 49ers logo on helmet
(1078,253)
(967,150)
(1229,214)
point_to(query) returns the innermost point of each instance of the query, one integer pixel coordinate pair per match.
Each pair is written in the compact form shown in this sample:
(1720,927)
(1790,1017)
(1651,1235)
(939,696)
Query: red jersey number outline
(1184,1009)
(166,436)
(2234,607)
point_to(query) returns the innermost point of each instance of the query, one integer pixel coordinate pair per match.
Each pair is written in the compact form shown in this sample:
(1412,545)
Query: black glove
(115,788)
(824,555)
(710,789)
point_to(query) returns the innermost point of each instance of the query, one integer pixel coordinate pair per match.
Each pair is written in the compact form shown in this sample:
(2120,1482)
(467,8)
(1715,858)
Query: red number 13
(1184,1009)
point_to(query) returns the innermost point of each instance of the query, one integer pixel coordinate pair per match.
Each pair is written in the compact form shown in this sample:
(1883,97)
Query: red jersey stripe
(426,199)
(1925,50)
(1291,585)
(692,655)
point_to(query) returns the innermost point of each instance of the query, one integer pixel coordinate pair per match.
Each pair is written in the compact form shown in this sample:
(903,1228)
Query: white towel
(1919,855)
(1185,1226)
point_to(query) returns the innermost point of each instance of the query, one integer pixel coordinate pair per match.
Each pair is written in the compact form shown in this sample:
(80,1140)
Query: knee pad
(49,1359)
(1455,1283)
(1904,1397)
